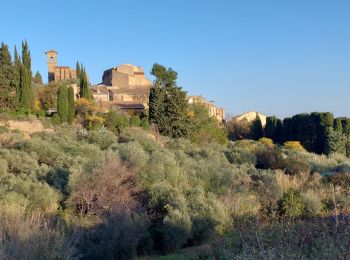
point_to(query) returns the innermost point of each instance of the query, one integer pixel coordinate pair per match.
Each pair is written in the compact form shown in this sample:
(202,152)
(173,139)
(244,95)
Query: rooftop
(51,51)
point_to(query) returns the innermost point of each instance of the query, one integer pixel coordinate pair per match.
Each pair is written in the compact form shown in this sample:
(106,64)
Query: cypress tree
(38,79)
(279,132)
(26,59)
(77,70)
(338,125)
(71,105)
(7,88)
(25,86)
(26,91)
(62,103)
(84,85)
(17,74)
(346,126)
(5,56)
(257,130)
(156,104)
(271,127)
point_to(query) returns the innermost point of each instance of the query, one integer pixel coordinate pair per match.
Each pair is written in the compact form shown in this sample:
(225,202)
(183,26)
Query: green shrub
(18,161)
(56,119)
(115,121)
(312,203)
(238,155)
(132,153)
(145,123)
(58,178)
(176,229)
(101,137)
(269,158)
(294,165)
(291,204)
(146,140)
(135,121)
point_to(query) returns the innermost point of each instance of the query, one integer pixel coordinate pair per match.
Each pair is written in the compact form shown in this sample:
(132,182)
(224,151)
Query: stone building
(250,117)
(125,87)
(57,73)
(213,110)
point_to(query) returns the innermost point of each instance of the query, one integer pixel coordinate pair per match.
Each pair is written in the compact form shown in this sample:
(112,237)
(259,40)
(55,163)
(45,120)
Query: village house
(125,87)
(214,111)
(250,117)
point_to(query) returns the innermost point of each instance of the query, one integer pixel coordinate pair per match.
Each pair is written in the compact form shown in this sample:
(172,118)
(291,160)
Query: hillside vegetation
(94,194)
(168,182)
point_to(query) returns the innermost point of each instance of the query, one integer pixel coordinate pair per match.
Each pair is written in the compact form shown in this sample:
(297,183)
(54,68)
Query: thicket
(134,192)
(320,133)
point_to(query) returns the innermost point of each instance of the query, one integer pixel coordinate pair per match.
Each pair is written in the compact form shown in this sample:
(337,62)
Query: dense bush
(161,194)
(269,158)
(291,204)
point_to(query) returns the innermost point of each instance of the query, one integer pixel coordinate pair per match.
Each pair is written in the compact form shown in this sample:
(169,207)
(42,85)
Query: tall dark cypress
(37,78)
(77,70)
(26,59)
(62,103)
(71,105)
(257,130)
(26,90)
(7,88)
(156,104)
(84,85)
(338,125)
(17,74)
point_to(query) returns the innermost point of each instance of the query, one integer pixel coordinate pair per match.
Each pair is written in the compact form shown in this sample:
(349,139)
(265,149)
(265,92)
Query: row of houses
(127,88)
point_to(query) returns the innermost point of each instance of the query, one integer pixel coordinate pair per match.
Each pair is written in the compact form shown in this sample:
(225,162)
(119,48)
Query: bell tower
(51,63)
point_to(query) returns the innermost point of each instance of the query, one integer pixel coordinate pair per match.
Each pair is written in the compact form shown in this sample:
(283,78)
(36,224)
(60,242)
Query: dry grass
(31,235)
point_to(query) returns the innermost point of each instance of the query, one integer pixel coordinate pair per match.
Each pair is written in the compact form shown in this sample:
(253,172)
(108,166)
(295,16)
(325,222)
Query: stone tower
(51,63)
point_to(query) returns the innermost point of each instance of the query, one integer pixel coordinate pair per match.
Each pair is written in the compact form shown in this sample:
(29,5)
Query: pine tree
(7,88)
(37,78)
(168,106)
(62,103)
(71,105)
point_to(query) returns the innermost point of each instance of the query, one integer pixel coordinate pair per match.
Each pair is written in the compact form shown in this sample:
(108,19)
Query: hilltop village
(124,87)
(134,169)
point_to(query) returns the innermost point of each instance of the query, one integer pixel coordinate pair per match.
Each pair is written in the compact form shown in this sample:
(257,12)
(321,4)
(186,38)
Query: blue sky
(276,57)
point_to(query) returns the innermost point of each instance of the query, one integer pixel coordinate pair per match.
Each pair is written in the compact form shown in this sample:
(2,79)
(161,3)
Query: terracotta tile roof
(62,67)
(51,51)
(107,105)
(99,89)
